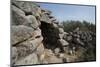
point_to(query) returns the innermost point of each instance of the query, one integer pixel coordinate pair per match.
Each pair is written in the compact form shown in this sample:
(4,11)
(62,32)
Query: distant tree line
(83,26)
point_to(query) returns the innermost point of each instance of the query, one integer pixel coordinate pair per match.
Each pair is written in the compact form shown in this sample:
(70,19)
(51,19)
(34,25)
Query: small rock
(45,19)
(57,50)
(55,25)
(79,42)
(40,49)
(61,36)
(63,42)
(61,55)
(69,38)
(46,11)
(53,19)
(50,16)
(61,30)
(76,35)
(66,49)
(37,33)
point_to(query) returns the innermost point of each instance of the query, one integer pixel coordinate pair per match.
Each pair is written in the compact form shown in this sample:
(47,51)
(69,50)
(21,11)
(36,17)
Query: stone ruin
(38,38)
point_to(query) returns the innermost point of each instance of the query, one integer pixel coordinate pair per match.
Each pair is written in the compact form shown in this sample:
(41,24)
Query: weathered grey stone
(56,22)
(61,36)
(66,49)
(25,6)
(65,34)
(76,35)
(30,8)
(40,49)
(69,38)
(79,42)
(50,16)
(17,10)
(18,16)
(46,11)
(45,54)
(37,33)
(48,52)
(61,55)
(14,54)
(30,59)
(71,52)
(38,38)
(61,30)
(45,18)
(55,25)
(31,21)
(63,42)
(77,29)
(20,33)
(57,50)
(28,46)
(53,19)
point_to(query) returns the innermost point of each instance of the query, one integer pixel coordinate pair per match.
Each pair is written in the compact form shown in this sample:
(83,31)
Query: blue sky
(64,12)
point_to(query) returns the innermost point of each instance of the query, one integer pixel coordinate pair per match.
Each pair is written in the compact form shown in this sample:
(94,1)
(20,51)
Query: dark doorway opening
(50,35)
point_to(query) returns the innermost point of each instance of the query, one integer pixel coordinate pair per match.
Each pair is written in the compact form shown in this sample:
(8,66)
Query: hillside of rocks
(38,38)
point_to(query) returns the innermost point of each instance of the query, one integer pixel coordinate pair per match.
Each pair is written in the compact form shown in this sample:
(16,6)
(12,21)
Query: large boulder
(17,10)
(20,33)
(62,42)
(32,21)
(19,18)
(28,46)
(30,8)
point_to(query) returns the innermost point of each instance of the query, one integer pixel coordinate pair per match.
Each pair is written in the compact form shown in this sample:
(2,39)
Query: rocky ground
(38,38)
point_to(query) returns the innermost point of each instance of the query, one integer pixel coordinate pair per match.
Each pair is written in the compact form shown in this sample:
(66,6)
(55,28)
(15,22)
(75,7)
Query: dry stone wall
(37,38)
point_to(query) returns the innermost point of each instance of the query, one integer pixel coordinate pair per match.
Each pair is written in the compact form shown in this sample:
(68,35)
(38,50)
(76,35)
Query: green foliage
(83,26)
(90,53)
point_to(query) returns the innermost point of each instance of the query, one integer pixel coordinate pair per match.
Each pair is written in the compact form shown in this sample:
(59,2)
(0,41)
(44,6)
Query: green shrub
(83,26)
